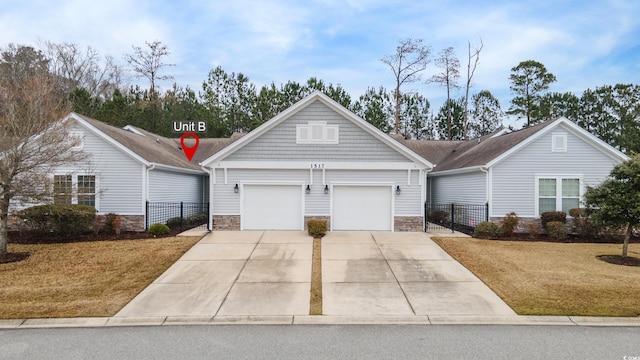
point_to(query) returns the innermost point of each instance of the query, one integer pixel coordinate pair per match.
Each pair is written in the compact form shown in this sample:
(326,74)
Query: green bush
(557,230)
(159,230)
(196,219)
(550,216)
(174,222)
(439,217)
(59,219)
(486,230)
(317,228)
(582,224)
(509,224)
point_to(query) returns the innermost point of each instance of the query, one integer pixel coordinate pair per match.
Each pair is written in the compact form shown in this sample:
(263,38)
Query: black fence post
(181,215)
(453,216)
(486,212)
(208,217)
(426,217)
(146,216)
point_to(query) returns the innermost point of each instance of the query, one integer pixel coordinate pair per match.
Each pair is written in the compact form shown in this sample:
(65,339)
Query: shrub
(582,225)
(159,230)
(439,217)
(549,216)
(112,224)
(59,219)
(576,212)
(509,223)
(317,228)
(486,230)
(174,222)
(534,229)
(196,219)
(557,230)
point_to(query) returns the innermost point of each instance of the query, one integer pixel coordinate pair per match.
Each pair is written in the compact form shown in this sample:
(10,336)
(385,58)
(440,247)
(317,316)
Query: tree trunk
(627,236)
(398,109)
(4,219)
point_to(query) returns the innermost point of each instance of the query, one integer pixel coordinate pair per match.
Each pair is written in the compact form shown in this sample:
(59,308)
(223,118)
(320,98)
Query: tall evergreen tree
(529,81)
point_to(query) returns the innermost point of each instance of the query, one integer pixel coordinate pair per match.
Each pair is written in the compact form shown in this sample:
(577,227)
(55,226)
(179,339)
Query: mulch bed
(13,257)
(24,238)
(619,260)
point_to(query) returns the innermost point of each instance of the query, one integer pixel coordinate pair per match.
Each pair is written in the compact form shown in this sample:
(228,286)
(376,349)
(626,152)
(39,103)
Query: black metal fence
(182,215)
(455,217)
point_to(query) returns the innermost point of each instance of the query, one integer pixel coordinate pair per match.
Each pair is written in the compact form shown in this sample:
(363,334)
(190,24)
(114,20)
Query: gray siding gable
(279,143)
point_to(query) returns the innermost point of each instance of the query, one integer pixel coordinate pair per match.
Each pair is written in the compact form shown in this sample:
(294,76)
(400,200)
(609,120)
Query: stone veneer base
(408,223)
(226,222)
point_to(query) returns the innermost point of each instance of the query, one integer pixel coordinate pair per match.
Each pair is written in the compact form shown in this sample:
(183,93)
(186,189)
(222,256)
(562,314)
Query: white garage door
(361,208)
(272,207)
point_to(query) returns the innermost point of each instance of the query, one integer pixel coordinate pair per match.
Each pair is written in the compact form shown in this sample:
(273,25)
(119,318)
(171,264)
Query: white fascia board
(258,131)
(317,95)
(576,130)
(593,140)
(325,165)
(176,169)
(107,138)
(457,171)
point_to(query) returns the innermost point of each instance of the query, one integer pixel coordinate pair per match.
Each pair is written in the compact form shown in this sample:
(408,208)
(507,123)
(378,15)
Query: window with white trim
(559,142)
(558,194)
(74,189)
(316,132)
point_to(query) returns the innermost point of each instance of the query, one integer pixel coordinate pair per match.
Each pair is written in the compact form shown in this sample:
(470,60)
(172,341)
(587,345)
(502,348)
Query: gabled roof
(490,149)
(318,96)
(151,149)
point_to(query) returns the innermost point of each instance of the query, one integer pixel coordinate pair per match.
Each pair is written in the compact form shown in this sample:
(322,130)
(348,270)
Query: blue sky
(584,43)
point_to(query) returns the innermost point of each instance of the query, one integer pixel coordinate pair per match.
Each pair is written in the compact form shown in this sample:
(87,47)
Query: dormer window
(317,132)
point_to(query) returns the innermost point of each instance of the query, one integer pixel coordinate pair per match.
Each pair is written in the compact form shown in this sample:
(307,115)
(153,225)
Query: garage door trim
(390,185)
(243,218)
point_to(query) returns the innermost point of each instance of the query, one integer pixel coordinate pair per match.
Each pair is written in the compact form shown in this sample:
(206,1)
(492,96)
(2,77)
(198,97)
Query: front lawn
(83,279)
(543,278)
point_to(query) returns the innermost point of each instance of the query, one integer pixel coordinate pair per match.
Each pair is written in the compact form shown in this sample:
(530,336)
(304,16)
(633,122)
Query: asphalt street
(323,342)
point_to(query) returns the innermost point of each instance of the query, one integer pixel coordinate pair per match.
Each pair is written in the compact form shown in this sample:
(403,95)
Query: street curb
(317,320)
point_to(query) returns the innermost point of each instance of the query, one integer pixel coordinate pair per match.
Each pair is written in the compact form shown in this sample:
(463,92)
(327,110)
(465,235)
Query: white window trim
(558,179)
(302,129)
(74,185)
(554,141)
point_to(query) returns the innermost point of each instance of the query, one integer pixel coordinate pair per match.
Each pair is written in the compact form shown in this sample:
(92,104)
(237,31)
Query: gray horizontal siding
(225,201)
(120,177)
(166,186)
(513,180)
(467,188)
(279,144)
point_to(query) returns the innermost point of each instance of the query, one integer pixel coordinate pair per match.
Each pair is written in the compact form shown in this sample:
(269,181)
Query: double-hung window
(558,193)
(74,189)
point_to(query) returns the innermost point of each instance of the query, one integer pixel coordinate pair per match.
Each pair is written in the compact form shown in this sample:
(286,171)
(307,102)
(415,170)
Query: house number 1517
(317,166)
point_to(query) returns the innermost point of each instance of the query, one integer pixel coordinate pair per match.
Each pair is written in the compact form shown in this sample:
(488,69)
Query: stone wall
(408,223)
(226,222)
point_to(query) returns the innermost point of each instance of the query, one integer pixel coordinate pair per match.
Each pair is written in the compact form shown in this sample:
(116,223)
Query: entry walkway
(365,274)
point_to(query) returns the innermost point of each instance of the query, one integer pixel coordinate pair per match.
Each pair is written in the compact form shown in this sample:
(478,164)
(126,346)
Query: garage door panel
(362,208)
(272,207)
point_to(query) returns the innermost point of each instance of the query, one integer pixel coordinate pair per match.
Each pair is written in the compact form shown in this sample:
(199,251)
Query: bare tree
(83,69)
(472,64)
(33,139)
(148,62)
(411,58)
(450,65)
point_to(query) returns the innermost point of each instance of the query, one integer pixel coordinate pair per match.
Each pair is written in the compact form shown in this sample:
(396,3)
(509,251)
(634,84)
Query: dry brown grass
(542,278)
(315,305)
(83,279)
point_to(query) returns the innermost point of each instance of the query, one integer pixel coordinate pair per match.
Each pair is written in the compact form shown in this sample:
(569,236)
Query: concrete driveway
(268,273)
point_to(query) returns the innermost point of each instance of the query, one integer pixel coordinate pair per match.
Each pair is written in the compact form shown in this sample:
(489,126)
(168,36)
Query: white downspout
(487,196)
(210,172)
(146,191)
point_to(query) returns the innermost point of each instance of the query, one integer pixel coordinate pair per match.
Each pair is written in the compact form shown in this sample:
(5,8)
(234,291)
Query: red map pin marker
(189,151)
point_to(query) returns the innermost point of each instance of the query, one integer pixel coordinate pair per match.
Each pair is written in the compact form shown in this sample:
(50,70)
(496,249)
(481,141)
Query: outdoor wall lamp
(236,189)
(326,189)
(398,191)
(308,189)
